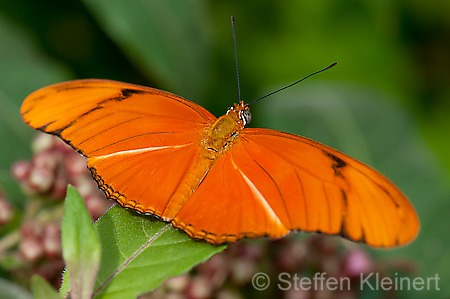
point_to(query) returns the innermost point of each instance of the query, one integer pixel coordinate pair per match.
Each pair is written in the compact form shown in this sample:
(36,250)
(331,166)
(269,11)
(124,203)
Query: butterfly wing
(139,141)
(271,182)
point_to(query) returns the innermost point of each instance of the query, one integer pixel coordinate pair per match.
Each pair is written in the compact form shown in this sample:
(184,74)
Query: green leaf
(140,252)
(366,125)
(42,289)
(81,246)
(9,290)
(166,39)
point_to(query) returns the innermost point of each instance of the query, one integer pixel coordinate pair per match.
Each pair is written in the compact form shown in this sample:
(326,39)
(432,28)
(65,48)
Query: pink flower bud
(96,205)
(75,164)
(6,211)
(52,247)
(21,170)
(356,262)
(242,271)
(177,283)
(199,288)
(31,249)
(59,187)
(85,185)
(42,142)
(45,159)
(250,251)
(216,269)
(31,229)
(52,230)
(62,147)
(41,179)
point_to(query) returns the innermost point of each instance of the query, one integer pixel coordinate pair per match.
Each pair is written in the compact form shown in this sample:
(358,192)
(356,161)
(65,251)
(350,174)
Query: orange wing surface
(157,153)
(140,142)
(271,182)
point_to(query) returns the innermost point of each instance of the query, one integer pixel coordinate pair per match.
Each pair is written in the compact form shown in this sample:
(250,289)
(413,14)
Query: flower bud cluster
(44,179)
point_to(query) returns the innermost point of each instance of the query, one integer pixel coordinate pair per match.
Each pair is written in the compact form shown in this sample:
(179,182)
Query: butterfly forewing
(139,141)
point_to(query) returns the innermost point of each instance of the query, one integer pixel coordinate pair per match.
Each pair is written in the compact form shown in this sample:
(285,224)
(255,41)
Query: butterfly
(157,153)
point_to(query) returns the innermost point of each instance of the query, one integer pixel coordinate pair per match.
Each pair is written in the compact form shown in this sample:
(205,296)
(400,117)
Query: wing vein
(328,205)
(304,198)
(289,161)
(109,128)
(279,191)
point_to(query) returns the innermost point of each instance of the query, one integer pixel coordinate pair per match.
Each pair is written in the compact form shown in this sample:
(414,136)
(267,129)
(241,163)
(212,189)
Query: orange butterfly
(157,153)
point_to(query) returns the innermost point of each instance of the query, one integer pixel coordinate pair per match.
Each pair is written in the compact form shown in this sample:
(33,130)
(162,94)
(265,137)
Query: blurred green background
(386,103)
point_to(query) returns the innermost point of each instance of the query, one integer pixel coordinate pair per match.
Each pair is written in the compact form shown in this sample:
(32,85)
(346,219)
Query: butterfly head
(241,112)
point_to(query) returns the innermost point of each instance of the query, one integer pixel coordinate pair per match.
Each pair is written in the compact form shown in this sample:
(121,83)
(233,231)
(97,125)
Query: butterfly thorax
(223,133)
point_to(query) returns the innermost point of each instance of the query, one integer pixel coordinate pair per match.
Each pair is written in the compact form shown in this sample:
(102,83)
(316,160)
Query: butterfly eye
(246,116)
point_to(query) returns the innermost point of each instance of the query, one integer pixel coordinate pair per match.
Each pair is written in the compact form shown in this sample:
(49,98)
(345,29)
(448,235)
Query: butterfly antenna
(292,84)
(235,58)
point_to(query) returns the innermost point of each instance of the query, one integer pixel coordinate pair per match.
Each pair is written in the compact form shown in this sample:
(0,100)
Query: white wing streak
(140,151)
(263,201)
